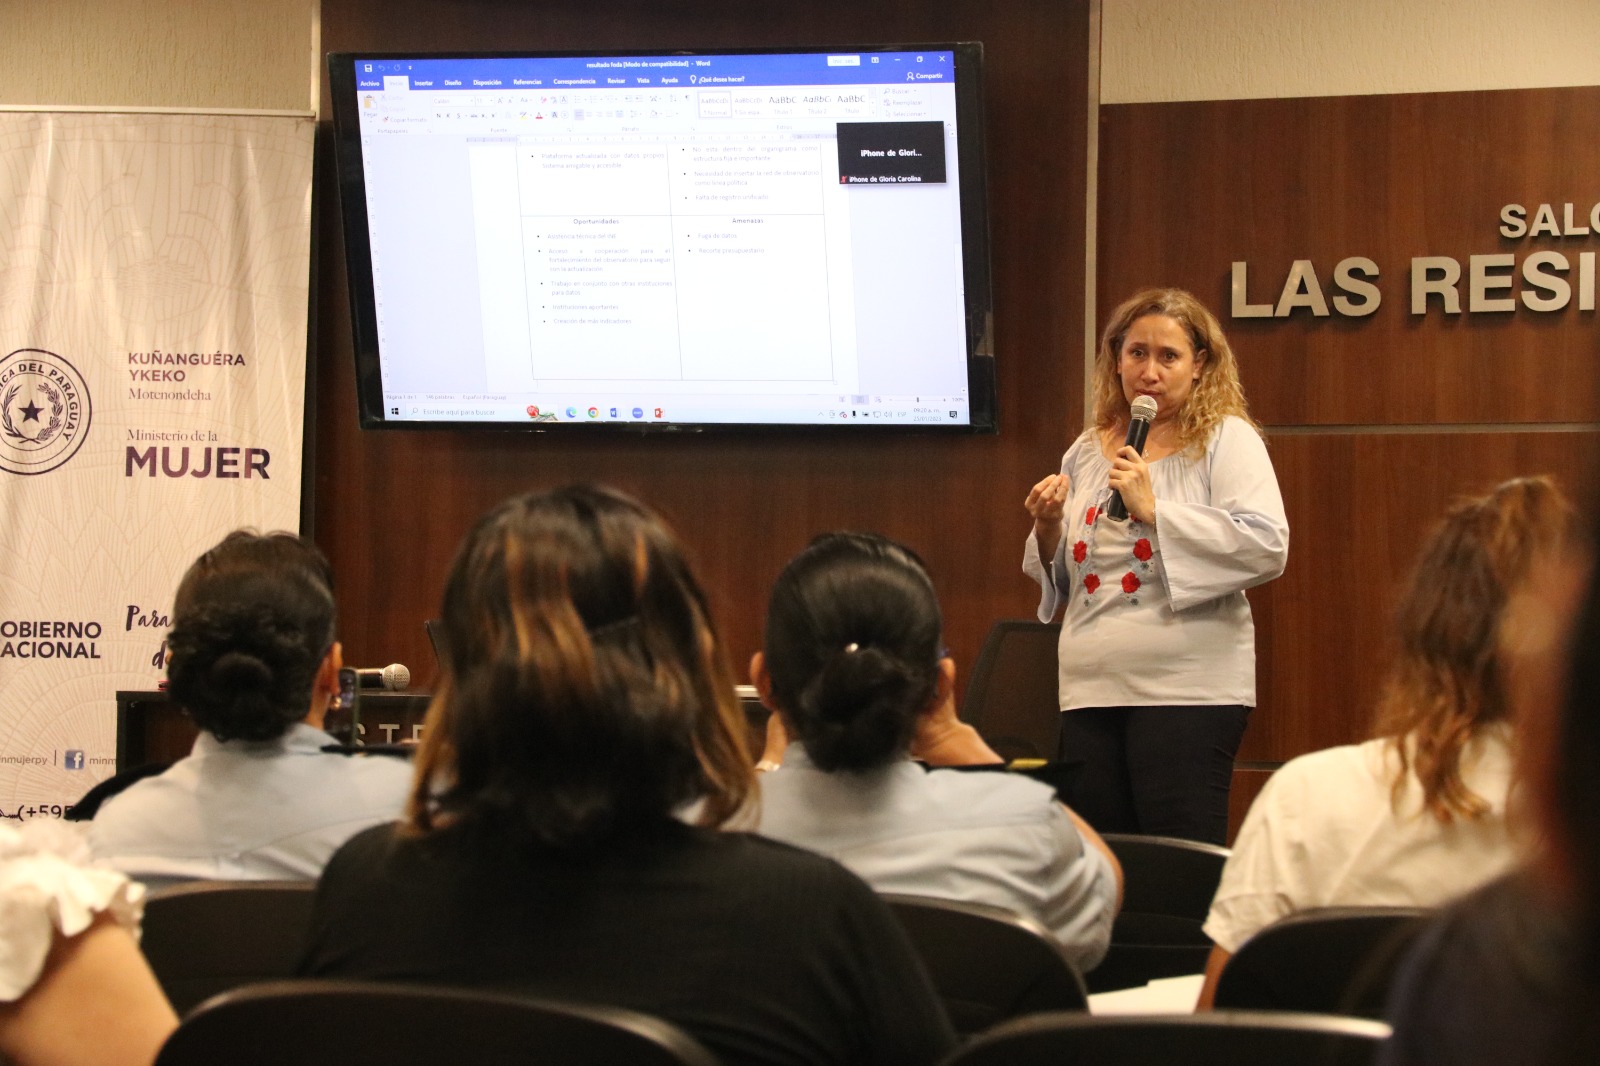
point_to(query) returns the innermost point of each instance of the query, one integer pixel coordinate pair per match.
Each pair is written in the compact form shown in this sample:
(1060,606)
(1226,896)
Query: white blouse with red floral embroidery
(1157,615)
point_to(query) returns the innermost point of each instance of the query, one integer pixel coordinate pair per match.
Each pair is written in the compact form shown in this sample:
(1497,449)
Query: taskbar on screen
(679,410)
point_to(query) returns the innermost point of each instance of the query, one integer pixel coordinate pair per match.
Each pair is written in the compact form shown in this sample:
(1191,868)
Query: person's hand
(1048,499)
(1045,504)
(943,739)
(1130,476)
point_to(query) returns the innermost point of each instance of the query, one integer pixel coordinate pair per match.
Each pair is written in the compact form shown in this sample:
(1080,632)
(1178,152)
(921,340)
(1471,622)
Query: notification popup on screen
(891,153)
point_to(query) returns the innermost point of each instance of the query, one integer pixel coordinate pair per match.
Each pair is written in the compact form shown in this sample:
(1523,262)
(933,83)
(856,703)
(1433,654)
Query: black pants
(1162,771)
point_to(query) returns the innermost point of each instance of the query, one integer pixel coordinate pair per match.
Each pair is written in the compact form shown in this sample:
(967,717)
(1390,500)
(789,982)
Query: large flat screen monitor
(675,241)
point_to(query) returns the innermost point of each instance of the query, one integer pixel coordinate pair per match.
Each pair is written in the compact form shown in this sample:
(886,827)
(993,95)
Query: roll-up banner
(153,299)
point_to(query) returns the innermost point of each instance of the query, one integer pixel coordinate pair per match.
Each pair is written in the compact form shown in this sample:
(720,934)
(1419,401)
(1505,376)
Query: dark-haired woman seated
(586,704)
(854,669)
(255,664)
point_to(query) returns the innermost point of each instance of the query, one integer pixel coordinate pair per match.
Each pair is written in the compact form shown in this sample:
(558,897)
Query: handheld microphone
(1141,411)
(392,677)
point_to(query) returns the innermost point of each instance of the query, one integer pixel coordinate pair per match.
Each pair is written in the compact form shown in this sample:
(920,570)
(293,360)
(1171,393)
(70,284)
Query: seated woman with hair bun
(853,669)
(255,664)
(586,715)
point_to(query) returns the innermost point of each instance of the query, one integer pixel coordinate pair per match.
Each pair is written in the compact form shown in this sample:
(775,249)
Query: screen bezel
(977,282)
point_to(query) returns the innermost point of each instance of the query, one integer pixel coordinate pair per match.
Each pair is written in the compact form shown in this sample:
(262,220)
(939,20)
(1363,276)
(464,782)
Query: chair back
(1339,960)
(434,627)
(365,1023)
(988,964)
(1012,698)
(1168,885)
(1221,1038)
(206,937)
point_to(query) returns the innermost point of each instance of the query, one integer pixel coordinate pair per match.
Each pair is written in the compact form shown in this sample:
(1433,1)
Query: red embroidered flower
(1130,583)
(1141,549)
(1091,583)
(1088,517)
(1080,552)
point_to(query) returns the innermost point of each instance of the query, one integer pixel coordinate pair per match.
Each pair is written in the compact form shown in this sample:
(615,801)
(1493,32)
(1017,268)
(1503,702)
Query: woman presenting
(1157,653)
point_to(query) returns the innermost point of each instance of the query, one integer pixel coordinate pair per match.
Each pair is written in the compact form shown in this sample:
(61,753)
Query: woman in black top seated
(585,704)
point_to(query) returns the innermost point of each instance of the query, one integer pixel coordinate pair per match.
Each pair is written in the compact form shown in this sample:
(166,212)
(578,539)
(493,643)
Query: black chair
(364,1023)
(1168,885)
(1012,698)
(207,937)
(987,963)
(434,627)
(1339,960)
(1223,1038)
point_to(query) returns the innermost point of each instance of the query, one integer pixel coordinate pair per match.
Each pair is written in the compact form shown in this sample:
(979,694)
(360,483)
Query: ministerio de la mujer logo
(44,411)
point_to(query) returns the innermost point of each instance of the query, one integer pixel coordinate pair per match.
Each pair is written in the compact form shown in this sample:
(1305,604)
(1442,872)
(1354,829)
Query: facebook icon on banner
(73,757)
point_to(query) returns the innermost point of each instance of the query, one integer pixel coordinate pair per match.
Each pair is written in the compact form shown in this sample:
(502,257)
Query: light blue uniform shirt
(248,810)
(991,838)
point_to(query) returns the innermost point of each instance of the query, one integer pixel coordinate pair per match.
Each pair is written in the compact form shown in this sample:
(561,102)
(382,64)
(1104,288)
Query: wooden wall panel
(1248,781)
(390,506)
(1359,506)
(1374,423)
(1187,189)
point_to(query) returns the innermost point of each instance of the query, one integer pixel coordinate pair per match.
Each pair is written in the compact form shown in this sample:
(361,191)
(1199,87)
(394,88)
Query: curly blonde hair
(1215,396)
(1447,682)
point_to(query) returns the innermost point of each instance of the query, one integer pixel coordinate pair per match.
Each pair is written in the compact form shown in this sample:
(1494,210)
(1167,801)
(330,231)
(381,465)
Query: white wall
(221,54)
(1164,50)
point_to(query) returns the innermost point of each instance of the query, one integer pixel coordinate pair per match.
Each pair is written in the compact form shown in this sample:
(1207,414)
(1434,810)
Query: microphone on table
(1142,410)
(392,677)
